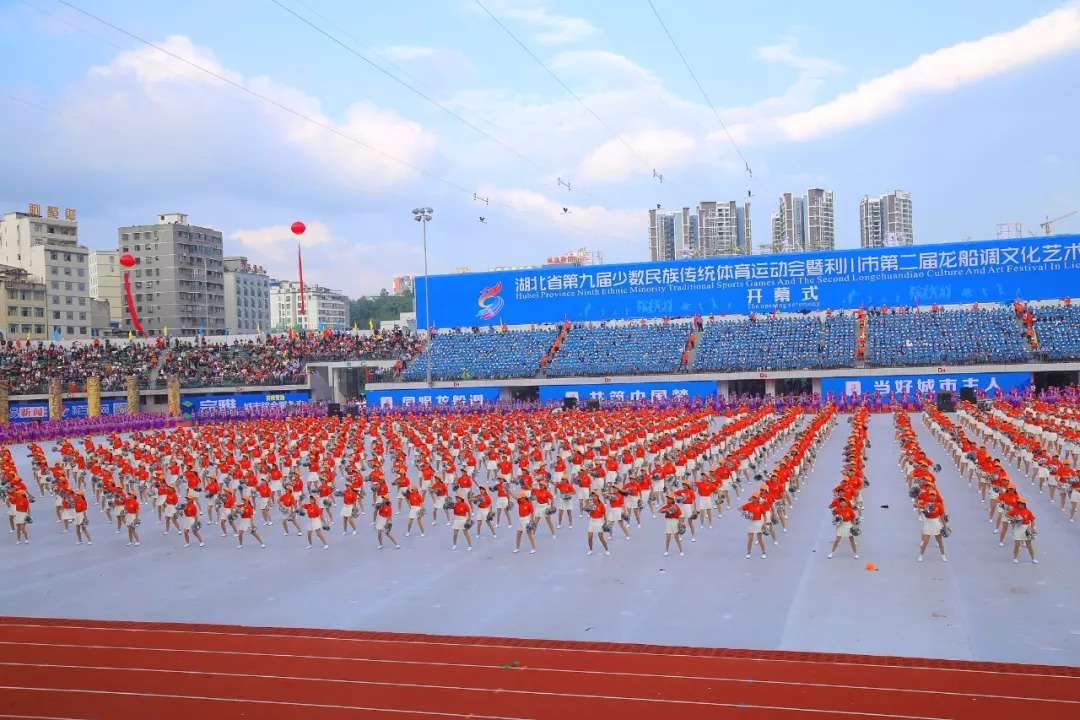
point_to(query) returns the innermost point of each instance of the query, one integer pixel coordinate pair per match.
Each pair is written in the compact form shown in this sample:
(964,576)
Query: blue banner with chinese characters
(629,391)
(988,271)
(38,410)
(431,396)
(929,383)
(195,404)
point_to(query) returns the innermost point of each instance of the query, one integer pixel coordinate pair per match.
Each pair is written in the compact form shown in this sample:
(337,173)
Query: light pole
(423,216)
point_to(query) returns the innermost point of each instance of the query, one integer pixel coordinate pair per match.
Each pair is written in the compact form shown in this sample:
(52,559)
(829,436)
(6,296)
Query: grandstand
(490,354)
(1057,332)
(775,342)
(950,336)
(621,349)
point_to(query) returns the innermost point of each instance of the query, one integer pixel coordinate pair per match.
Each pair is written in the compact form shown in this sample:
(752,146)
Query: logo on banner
(489,301)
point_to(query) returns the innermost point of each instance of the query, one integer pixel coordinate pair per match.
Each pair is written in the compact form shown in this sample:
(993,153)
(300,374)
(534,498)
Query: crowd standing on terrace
(880,336)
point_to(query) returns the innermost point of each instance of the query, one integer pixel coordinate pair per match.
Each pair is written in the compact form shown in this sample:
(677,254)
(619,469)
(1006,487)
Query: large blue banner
(629,391)
(930,383)
(989,271)
(239,401)
(431,396)
(36,410)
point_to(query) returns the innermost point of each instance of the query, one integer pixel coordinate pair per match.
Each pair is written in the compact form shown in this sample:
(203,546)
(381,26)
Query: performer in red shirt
(384,510)
(525,523)
(461,519)
(844,518)
(672,520)
(314,511)
(596,511)
(756,513)
(247,521)
(1023,524)
(191,520)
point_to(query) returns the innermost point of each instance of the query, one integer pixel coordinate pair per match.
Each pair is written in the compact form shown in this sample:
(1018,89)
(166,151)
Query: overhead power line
(648,166)
(296,113)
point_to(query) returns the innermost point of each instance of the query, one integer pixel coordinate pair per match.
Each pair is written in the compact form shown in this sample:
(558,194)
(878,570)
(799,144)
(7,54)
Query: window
(82,287)
(53,270)
(39,329)
(13,328)
(70,315)
(12,311)
(13,294)
(82,273)
(56,315)
(82,330)
(67,300)
(82,301)
(67,257)
(56,299)
(67,286)
(70,330)
(55,284)
(52,255)
(39,312)
(67,271)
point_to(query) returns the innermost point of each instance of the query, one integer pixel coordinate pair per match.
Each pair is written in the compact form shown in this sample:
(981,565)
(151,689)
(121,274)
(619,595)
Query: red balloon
(298,228)
(127,260)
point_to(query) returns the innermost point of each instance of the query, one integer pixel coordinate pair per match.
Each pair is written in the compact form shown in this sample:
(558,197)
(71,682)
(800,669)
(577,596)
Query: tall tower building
(820,220)
(178,281)
(886,220)
(48,249)
(789,224)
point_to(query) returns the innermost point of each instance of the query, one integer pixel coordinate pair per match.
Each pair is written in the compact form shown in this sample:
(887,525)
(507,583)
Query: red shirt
(313,510)
(131,506)
(461,508)
(756,509)
(525,508)
(598,511)
(191,509)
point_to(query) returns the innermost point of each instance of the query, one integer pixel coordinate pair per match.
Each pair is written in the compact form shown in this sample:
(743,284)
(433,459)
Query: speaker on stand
(569,403)
(967,395)
(333,409)
(592,405)
(945,401)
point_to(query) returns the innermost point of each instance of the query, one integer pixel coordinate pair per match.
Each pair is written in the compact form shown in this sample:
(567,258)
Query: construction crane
(1048,222)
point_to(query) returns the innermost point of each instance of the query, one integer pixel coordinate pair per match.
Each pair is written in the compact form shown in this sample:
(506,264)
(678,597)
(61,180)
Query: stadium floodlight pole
(423,216)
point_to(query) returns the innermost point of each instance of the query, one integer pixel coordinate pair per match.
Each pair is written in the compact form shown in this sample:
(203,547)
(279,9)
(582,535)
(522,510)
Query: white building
(404,284)
(723,229)
(886,220)
(247,297)
(324,309)
(48,248)
(789,224)
(107,282)
(820,220)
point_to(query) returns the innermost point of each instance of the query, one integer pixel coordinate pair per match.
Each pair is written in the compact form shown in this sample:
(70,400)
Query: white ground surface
(978,606)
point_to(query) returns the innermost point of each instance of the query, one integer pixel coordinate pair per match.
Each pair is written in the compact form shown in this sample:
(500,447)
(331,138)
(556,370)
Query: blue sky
(964,104)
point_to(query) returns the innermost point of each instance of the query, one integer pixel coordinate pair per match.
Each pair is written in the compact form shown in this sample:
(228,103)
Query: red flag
(300,265)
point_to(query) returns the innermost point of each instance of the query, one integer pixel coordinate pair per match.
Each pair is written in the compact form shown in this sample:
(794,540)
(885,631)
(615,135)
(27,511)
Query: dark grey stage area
(978,606)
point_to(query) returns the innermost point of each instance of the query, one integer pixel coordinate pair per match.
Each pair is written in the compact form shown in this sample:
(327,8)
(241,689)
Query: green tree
(383,306)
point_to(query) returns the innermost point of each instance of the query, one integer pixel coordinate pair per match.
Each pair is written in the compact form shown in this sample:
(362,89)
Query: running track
(52,669)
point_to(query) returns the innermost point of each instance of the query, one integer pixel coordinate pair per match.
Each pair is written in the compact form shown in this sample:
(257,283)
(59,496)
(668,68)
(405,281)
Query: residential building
(101,322)
(48,249)
(662,243)
(722,229)
(247,297)
(106,282)
(820,220)
(23,305)
(886,220)
(324,309)
(404,284)
(789,224)
(178,280)
(689,234)
(744,229)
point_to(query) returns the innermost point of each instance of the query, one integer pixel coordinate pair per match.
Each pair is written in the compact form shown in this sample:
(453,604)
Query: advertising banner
(238,401)
(900,384)
(39,409)
(431,396)
(989,271)
(629,391)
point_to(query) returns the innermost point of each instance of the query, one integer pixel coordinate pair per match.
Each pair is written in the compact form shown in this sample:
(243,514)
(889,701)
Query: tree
(382,307)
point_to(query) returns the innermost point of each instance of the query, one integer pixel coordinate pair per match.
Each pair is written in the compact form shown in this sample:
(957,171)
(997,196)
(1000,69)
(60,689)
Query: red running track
(52,669)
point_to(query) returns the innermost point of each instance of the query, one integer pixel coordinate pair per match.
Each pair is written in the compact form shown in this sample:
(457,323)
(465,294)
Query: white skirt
(67,514)
(671,525)
(614,514)
(523,521)
(596,525)
(459,522)
(380,522)
(414,511)
(129,520)
(754,526)
(502,502)
(1020,532)
(347,511)
(931,527)
(843,530)
(189,522)
(313,524)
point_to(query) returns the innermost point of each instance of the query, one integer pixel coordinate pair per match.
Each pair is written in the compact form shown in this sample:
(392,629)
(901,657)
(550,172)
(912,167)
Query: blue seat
(631,349)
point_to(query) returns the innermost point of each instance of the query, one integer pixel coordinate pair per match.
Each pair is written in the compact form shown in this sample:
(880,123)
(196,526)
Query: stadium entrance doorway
(746,387)
(528,393)
(1058,378)
(794,386)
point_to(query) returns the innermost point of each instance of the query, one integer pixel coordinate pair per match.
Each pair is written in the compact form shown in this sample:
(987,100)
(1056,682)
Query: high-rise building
(247,297)
(662,244)
(689,234)
(106,282)
(323,309)
(48,249)
(820,220)
(101,322)
(404,284)
(178,281)
(22,305)
(886,220)
(721,232)
(789,224)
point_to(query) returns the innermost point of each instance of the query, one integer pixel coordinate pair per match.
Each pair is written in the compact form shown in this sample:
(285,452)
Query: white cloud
(440,66)
(329,258)
(947,69)
(153,95)
(614,161)
(551,28)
